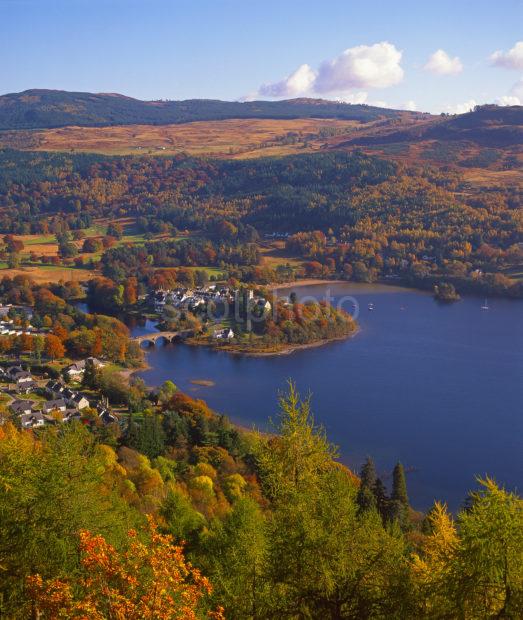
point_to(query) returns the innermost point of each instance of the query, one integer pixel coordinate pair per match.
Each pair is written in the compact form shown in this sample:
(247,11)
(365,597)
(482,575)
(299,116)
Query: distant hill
(40,109)
(488,125)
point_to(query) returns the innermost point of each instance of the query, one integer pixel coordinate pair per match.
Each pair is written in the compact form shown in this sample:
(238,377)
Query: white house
(224,334)
(53,405)
(75,370)
(30,420)
(80,401)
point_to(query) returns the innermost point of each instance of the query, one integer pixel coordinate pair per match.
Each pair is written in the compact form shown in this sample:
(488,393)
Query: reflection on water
(438,387)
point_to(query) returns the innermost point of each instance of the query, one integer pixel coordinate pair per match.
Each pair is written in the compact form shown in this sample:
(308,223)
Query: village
(36,400)
(214,301)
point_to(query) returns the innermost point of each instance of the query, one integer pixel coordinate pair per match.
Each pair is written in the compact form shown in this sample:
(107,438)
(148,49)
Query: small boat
(485,306)
(371,306)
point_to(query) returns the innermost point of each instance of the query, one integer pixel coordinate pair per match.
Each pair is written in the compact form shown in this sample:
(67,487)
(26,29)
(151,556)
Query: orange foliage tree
(54,347)
(148,580)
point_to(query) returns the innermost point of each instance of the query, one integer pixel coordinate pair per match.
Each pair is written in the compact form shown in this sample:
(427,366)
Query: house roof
(107,417)
(94,361)
(79,397)
(28,419)
(53,404)
(55,386)
(21,374)
(76,366)
(20,405)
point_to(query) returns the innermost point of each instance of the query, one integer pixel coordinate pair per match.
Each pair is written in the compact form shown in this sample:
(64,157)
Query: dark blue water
(439,387)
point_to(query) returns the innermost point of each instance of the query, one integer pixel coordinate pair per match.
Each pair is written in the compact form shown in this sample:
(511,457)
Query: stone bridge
(168,336)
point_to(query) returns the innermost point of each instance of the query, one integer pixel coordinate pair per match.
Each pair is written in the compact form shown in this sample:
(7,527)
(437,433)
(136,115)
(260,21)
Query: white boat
(485,305)
(371,306)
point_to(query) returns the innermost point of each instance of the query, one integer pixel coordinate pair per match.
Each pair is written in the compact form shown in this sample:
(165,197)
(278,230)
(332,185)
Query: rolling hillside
(484,144)
(36,109)
(489,126)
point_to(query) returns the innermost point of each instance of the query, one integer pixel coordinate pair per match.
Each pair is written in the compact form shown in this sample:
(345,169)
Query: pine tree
(382,501)
(399,502)
(399,485)
(150,437)
(90,376)
(132,432)
(366,498)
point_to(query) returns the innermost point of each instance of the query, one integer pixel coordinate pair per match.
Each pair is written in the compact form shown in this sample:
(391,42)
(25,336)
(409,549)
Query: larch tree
(233,554)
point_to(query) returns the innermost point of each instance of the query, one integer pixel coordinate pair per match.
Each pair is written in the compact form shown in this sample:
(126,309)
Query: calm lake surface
(438,387)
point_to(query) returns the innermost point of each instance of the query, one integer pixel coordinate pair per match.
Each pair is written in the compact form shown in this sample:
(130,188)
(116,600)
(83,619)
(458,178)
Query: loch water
(438,387)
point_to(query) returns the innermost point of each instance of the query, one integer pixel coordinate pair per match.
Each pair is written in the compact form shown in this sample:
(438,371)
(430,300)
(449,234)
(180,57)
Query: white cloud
(508,100)
(461,108)
(298,83)
(363,66)
(379,103)
(360,67)
(252,96)
(410,105)
(442,64)
(517,89)
(359,97)
(515,96)
(513,59)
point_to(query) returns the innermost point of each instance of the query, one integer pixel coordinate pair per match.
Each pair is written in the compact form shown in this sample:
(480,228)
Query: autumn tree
(52,487)
(115,229)
(433,567)
(233,553)
(148,580)
(323,560)
(130,294)
(472,567)
(59,331)
(489,572)
(54,349)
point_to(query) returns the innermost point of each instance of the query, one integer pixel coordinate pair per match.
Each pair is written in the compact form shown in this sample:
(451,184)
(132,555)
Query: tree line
(274,526)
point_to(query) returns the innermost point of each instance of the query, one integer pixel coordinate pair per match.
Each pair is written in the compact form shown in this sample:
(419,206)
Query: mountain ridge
(47,108)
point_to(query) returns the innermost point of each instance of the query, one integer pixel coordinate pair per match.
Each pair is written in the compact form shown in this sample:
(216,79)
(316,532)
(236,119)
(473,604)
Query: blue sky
(229,49)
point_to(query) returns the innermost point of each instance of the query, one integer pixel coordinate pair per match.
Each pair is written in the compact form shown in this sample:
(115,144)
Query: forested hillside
(34,109)
(348,212)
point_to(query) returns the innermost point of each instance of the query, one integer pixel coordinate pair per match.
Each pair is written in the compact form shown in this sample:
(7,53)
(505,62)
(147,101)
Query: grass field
(236,138)
(45,245)
(274,254)
(48,273)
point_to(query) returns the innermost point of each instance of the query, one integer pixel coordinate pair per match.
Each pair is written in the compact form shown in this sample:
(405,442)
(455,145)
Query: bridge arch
(167,337)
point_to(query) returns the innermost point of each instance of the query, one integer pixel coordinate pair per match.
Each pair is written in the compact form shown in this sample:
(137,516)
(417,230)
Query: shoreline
(127,373)
(285,350)
(303,282)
